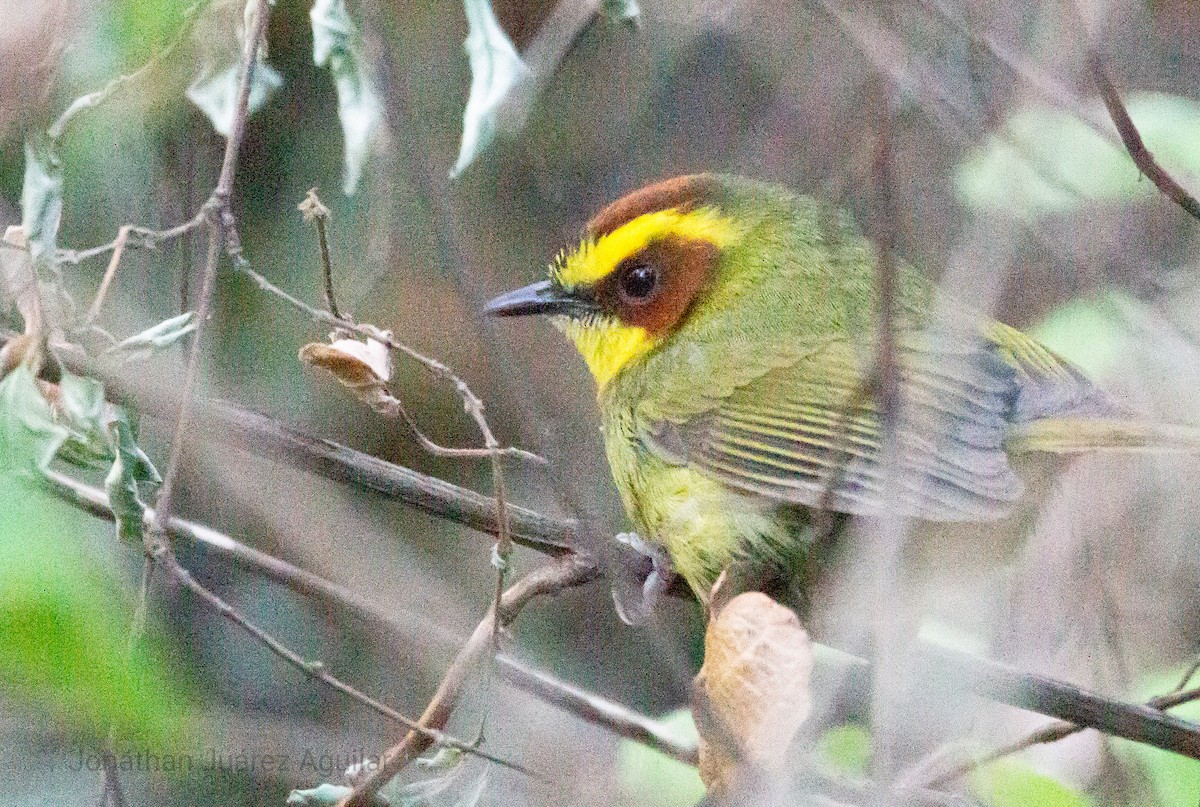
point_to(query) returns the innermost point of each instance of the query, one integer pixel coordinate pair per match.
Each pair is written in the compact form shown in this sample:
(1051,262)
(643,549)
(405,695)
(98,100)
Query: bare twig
(137,236)
(109,273)
(1061,97)
(95,99)
(221,228)
(1079,709)
(595,709)
(983,677)
(316,669)
(566,572)
(1141,155)
(1188,674)
(314,210)
(269,438)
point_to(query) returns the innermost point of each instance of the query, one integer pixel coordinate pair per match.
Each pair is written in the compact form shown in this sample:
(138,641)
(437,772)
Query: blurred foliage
(1013,783)
(1045,160)
(137,29)
(650,777)
(1092,333)
(846,750)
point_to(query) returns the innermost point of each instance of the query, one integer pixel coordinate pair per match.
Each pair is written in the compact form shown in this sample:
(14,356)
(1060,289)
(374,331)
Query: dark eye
(639,282)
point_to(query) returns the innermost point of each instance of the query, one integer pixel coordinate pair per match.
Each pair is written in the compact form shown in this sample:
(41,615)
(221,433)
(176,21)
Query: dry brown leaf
(356,364)
(755,684)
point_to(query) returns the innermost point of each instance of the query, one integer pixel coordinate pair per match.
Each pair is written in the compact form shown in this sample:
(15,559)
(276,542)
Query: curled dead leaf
(355,364)
(755,687)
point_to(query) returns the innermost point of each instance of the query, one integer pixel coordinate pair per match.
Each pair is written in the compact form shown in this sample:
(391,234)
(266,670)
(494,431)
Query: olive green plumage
(758,402)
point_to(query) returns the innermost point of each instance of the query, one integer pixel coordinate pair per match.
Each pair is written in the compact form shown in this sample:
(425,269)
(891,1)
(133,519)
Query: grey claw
(654,586)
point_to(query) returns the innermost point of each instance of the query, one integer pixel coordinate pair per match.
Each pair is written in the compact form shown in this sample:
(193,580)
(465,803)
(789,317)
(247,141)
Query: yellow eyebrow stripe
(596,259)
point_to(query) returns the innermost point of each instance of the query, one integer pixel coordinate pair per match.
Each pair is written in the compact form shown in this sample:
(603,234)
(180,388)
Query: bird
(733,326)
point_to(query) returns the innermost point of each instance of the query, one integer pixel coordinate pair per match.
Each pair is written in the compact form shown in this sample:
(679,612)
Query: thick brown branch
(1048,696)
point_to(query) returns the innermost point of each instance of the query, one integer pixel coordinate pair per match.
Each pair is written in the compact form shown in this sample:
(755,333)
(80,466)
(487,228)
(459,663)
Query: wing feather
(808,433)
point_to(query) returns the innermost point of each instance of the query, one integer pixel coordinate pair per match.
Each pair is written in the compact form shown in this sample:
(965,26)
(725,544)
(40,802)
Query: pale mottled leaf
(157,337)
(325,795)
(337,44)
(215,93)
(30,435)
(756,685)
(626,11)
(130,466)
(495,70)
(41,199)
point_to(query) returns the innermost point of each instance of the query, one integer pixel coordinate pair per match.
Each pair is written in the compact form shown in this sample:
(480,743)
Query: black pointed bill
(539,298)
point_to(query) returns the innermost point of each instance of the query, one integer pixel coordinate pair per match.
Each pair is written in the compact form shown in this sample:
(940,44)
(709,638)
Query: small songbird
(732,328)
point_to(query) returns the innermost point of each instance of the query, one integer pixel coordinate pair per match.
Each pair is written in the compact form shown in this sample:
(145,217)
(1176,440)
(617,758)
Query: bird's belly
(704,526)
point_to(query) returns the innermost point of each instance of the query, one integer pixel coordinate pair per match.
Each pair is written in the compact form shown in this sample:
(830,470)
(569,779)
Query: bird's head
(636,278)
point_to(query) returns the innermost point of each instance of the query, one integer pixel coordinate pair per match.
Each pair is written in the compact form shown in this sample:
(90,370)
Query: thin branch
(111,792)
(109,273)
(143,237)
(927,774)
(267,437)
(221,225)
(1132,139)
(566,572)
(1059,96)
(95,99)
(1189,674)
(586,705)
(980,676)
(314,210)
(316,669)
(471,402)
(94,500)
(595,709)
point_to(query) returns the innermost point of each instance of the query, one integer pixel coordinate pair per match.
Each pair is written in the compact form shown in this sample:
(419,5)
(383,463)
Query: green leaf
(1012,783)
(215,93)
(130,466)
(41,199)
(157,337)
(646,771)
(338,44)
(495,70)
(64,628)
(846,750)
(1045,160)
(30,435)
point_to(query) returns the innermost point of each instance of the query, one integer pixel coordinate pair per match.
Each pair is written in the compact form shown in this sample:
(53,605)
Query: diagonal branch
(1132,139)
(595,709)
(990,679)
(566,572)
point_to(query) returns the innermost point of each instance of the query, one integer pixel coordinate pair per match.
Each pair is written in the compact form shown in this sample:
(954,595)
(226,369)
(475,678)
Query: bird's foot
(655,580)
